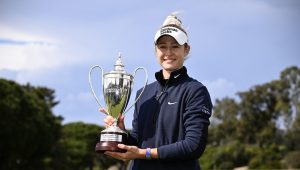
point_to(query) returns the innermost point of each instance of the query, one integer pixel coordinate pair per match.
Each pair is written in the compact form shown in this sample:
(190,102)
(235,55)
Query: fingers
(121,121)
(121,118)
(117,155)
(108,120)
(132,149)
(120,156)
(103,110)
(132,152)
(122,146)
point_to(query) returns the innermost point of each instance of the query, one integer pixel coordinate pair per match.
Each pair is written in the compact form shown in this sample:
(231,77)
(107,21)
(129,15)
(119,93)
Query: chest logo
(175,77)
(171,103)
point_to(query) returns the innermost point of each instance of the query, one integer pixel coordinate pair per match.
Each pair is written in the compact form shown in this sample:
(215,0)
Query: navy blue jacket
(173,116)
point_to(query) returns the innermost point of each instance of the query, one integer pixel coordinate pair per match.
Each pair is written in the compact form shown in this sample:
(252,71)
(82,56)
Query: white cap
(174,32)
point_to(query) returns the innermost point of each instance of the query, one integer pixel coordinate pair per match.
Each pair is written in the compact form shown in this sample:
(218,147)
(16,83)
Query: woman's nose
(169,50)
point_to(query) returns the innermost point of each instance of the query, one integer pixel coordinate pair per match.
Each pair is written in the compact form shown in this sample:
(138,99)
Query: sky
(235,45)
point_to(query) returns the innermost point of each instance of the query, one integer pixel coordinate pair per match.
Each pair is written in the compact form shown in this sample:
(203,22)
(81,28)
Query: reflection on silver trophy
(117,87)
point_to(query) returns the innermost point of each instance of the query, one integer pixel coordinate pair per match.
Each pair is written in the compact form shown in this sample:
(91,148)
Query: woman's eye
(162,47)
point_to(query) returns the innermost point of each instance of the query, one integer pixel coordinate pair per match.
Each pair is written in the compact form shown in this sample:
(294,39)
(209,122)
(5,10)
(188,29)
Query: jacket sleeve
(133,135)
(195,121)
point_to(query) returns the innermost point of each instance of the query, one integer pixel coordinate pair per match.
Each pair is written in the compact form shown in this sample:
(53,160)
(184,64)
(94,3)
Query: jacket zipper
(162,92)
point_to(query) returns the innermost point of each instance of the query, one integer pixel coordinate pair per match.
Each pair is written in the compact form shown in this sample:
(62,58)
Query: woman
(171,118)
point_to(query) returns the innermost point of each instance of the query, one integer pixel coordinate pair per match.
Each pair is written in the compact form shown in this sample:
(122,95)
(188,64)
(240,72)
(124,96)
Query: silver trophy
(117,87)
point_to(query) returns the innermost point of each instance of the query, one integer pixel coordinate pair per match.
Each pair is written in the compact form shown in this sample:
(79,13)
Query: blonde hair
(174,21)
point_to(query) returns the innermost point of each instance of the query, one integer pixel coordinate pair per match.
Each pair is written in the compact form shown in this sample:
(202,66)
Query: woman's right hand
(109,120)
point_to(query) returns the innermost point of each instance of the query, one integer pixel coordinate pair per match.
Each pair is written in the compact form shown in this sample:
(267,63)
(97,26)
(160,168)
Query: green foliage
(32,137)
(266,158)
(227,156)
(292,136)
(249,132)
(29,130)
(292,160)
(226,111)
(291,77)
(77,148)
(258,114)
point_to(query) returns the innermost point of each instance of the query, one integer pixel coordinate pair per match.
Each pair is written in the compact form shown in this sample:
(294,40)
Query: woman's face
(170,54)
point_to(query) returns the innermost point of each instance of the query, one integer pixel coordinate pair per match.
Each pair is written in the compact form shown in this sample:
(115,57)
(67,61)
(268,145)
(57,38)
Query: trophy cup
(117,86)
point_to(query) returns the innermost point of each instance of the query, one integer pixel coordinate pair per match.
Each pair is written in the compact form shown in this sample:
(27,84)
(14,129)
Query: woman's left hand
(133,152)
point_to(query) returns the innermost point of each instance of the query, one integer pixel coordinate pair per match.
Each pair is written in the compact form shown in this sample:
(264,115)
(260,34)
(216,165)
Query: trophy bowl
(117,86)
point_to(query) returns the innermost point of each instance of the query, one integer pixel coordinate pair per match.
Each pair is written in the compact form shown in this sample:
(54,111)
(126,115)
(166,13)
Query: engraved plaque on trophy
(117,86)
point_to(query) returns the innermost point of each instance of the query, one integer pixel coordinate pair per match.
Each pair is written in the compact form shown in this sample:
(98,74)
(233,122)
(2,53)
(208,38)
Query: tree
(29,129)
(77,148)
(228,156)
(253,127)
(259,114)
(292,160)
(291,78)
(267,158)
(226,113)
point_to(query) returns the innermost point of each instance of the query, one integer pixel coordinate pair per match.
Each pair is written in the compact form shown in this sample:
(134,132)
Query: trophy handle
(91,85)
(146,81)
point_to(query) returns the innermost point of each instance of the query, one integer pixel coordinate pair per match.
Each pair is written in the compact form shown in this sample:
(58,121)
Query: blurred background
(245,52)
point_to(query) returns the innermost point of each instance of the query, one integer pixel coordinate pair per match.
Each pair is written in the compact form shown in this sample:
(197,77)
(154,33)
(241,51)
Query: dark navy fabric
(173,116)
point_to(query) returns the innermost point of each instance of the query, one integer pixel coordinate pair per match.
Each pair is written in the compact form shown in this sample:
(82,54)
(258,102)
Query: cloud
(5,41)
(220,88)
(10,33)
(29,57)
(22,51)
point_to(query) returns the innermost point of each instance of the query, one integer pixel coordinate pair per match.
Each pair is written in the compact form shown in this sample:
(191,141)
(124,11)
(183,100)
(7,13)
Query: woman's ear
(155,50)
(187,49)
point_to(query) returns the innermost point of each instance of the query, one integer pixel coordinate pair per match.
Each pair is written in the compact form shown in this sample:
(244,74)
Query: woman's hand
(109,120)
(132,152)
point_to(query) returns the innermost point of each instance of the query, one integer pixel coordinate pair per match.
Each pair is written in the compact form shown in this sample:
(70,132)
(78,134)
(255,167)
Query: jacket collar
(175,76)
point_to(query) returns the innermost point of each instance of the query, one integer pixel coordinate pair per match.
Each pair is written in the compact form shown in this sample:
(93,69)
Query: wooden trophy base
(110,138)
(101,147)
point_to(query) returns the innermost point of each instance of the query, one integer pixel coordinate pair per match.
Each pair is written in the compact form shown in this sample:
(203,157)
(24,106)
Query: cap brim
(174,32)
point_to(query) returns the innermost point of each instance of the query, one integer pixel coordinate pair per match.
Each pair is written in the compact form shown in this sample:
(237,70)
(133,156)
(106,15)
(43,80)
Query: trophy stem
(115,122)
